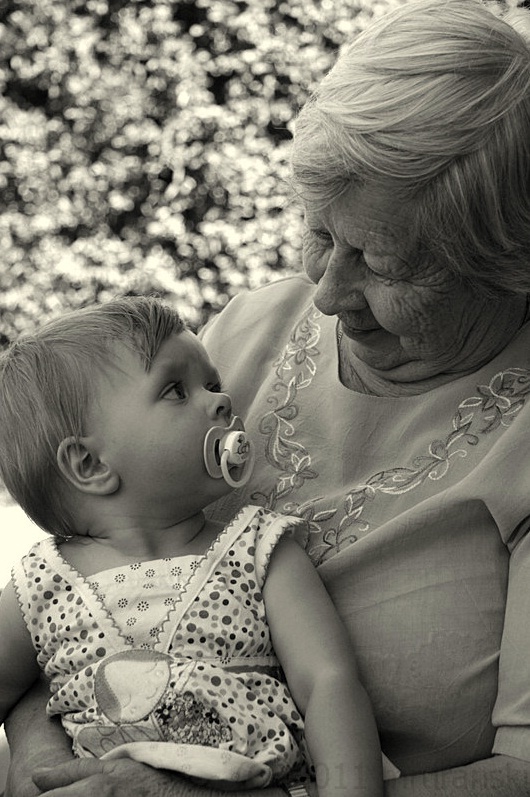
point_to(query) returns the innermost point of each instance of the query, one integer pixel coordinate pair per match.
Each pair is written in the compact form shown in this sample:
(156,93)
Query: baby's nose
(222,406)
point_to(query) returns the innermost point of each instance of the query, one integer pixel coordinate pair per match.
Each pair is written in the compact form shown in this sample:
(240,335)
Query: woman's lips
(371,337)
(359,332)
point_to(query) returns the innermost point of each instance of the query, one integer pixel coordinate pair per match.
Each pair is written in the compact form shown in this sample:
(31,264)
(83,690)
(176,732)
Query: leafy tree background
(144,146)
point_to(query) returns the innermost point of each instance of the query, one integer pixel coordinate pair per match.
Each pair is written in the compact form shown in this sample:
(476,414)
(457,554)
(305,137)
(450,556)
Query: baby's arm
(315,652)
(18,664)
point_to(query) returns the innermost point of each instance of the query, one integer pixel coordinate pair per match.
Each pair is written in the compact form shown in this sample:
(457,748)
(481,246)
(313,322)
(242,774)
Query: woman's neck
(360,378)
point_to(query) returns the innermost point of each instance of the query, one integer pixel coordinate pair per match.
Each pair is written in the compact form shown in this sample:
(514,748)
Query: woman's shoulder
(268,306)
(255,326)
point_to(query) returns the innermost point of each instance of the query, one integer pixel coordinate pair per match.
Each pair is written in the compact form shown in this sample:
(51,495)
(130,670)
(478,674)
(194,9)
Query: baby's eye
(174,391)
(215,387)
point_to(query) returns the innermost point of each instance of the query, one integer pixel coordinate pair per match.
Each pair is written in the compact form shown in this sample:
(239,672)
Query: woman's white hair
(432,101)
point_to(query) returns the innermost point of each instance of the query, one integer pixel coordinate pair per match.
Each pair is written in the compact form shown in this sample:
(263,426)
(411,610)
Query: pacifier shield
(227,448)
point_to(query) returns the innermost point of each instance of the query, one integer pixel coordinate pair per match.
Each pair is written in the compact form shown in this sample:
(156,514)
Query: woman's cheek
(394,306)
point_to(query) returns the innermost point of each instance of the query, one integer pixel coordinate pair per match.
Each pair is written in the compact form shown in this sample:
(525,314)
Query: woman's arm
(92,777)
(42,761)
(18,662)
(498,776)
(34,741)
(314,650)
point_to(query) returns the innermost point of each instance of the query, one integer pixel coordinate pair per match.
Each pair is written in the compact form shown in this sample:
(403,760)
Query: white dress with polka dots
(169,661)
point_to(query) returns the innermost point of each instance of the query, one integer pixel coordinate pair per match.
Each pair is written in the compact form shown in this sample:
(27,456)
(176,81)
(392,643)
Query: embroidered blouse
(418,510)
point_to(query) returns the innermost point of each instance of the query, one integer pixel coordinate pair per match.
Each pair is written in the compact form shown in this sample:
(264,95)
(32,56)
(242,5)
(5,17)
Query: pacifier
(227,447)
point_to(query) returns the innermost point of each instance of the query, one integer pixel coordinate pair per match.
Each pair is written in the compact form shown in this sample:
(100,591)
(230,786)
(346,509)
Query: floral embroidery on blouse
(493,406)
(295,368)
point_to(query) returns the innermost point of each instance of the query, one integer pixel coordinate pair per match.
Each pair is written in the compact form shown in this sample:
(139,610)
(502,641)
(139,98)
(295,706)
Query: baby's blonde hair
(432,103)
(47,388)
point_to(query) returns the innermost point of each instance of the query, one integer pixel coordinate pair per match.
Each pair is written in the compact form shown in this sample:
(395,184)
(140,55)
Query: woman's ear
(80,465)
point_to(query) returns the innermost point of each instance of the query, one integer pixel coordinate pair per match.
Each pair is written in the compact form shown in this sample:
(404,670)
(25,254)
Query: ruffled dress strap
(52,594)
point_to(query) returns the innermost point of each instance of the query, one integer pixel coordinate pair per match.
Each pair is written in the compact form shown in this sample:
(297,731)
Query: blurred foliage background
(144,146)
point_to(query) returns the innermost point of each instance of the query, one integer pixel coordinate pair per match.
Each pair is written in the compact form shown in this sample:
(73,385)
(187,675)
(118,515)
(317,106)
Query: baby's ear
(80,465)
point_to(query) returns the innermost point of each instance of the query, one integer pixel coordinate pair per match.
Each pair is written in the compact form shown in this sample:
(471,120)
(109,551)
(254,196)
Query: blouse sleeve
(511,715)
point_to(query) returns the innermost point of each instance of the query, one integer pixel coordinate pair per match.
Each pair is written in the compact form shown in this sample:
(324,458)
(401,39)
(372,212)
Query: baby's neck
(127,543)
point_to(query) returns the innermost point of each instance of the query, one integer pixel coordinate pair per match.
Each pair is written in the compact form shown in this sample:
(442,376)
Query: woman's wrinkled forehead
(371,217)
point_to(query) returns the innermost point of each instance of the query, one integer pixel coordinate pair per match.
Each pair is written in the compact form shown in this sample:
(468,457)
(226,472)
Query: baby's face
(149,426)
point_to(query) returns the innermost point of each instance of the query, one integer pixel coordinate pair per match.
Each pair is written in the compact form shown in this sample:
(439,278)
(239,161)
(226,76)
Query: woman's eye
(323,235)
(387,270)
(381,276)
(174,391)
(384,278)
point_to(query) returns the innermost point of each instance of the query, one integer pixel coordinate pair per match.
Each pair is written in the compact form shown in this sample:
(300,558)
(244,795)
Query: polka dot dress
(174,650)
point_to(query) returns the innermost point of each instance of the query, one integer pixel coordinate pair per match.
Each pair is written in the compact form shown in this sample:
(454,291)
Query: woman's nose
(342,283)
(221,407)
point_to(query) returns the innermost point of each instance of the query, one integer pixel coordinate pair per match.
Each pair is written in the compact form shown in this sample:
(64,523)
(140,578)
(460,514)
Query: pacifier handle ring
(246,472)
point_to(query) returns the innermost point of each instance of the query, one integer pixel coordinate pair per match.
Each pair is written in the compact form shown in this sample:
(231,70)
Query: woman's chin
(377,349)
(391,363)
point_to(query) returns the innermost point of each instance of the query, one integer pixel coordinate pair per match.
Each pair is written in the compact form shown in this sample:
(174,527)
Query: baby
(166,637)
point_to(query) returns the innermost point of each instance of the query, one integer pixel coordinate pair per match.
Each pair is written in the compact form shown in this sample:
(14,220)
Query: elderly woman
(388,395)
